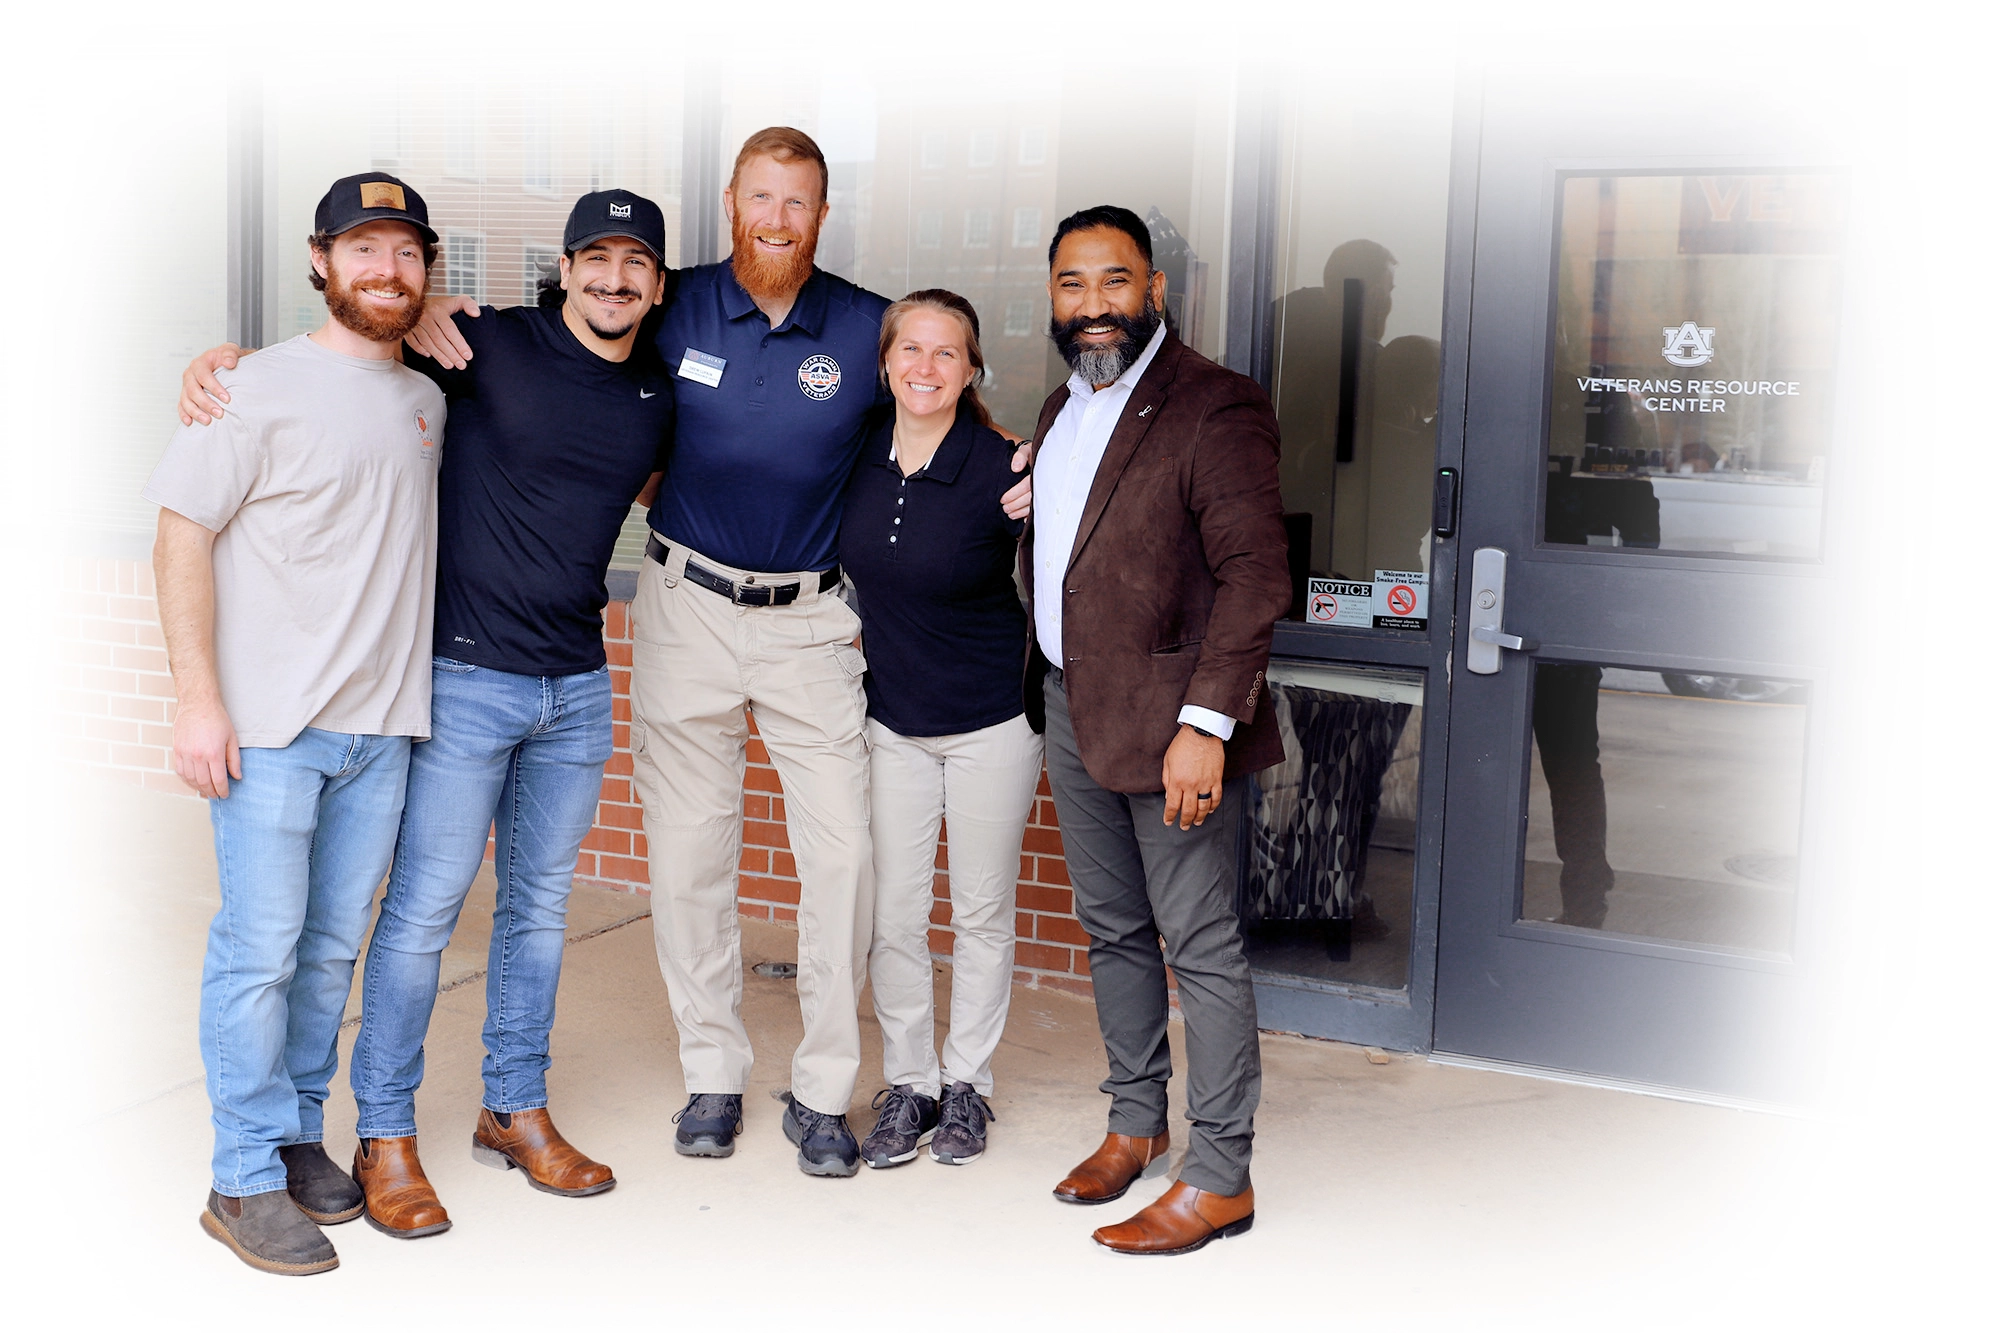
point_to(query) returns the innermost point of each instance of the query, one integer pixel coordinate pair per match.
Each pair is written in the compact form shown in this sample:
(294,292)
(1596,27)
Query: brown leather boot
(1181,1221)
(399,1199)
(529,1140)
(1107,1173)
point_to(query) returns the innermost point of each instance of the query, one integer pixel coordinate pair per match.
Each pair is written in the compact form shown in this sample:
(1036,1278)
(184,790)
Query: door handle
(1499,639)
(1489,609)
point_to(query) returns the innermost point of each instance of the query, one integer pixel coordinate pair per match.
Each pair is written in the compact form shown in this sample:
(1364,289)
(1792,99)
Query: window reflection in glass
(1665,805)
(1355,333)
(1695,327)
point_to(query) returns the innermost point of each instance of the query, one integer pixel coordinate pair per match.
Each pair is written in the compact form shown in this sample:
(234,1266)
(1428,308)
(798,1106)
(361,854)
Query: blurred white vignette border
(115,135)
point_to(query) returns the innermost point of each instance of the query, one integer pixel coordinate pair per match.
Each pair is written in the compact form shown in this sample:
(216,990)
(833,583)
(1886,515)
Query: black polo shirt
(548,444)
(768,420)
(932,557)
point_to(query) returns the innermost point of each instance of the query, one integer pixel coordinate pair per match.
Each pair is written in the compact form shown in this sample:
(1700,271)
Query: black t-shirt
(547,445)
(941,622)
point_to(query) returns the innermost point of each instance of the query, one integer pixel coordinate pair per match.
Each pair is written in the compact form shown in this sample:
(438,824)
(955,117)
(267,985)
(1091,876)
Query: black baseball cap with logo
(374,197)
(617,213)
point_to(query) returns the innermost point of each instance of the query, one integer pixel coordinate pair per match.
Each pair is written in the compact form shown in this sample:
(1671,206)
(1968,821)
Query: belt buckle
(748,594)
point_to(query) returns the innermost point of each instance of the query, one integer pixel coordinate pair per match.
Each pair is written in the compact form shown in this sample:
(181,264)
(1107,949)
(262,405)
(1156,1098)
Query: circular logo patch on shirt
(819,377)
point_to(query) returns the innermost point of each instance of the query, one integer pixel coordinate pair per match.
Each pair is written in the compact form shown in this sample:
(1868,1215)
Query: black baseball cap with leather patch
(617,213)
(374,197)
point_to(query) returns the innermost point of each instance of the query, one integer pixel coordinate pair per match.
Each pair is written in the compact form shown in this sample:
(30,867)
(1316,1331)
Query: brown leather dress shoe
(530,1141)
(1107,1173)
(397,1199)
(1180,1221)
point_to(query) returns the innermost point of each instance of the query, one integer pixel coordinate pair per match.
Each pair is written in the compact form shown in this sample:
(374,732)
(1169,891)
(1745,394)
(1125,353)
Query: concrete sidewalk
(1402,1194)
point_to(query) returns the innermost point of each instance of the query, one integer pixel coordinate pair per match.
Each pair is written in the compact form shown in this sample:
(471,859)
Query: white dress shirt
(1065,467)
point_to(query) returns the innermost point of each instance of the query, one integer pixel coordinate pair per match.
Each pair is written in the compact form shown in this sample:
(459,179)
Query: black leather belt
(747,593)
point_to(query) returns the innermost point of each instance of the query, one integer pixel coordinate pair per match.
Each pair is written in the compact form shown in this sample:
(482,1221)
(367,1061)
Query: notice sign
(1333,602)
(1396,599)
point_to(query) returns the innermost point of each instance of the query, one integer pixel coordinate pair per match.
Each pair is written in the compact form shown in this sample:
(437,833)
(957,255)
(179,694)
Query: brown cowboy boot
(399,1200)
(529,1140)
(1107,1173)
(1181,1221)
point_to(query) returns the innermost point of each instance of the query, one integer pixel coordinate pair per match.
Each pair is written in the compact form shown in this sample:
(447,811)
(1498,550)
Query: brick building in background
(116,720)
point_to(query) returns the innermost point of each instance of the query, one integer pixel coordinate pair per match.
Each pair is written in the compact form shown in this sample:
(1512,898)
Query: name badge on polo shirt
(702,368)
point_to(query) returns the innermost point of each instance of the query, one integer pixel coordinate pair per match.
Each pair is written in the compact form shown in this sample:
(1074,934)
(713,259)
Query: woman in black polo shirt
(932,559)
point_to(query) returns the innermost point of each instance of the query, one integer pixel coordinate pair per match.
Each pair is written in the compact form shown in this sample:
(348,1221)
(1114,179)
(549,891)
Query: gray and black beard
(1104,363)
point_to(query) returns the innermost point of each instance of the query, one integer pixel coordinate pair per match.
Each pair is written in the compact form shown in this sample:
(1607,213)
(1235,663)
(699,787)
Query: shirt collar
(808,312)
(1079,388)
(952,450)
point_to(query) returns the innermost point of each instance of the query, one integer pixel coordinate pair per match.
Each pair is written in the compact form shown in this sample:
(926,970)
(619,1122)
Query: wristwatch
(1200,731)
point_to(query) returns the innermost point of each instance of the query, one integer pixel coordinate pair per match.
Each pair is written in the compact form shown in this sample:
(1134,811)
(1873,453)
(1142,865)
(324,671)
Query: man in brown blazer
(1155,564)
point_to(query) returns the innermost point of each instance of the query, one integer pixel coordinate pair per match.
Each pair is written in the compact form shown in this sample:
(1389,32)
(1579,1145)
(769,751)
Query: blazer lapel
(1142,409)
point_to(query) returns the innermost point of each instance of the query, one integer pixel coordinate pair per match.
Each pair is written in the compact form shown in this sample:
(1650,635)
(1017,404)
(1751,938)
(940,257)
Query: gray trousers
(1137,882)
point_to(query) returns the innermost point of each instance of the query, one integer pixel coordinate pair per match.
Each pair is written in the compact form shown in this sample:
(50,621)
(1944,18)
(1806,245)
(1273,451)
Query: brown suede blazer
(1177,575)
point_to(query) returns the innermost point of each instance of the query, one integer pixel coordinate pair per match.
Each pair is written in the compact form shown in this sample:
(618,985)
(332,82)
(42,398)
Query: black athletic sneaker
(904,1125)
(826,1145)
(961,1132)
(708,1124)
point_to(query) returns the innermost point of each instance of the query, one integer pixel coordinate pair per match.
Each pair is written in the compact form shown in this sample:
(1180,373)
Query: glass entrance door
(1650,393)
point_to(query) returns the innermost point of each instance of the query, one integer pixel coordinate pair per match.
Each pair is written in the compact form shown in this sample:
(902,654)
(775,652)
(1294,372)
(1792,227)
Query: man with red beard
(295,560)
(737,614)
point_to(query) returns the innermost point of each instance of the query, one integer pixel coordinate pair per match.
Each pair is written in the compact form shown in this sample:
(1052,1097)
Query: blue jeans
(301,843)
(524,756)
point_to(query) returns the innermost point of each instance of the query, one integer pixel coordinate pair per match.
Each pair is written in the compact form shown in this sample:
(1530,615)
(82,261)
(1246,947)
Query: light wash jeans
(523,756)
(301,843)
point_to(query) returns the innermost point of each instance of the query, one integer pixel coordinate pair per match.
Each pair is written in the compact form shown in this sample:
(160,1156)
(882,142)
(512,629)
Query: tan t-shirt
(321,483)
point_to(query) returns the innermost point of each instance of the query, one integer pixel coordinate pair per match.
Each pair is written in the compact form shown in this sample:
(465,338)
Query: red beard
(771,277)
(382,326)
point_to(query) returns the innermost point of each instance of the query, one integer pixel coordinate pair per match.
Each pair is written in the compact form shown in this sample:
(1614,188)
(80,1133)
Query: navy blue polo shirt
(548,445)
(768,421)
(932,557)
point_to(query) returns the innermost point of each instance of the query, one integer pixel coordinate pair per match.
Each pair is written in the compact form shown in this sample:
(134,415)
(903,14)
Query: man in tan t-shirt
(295,558)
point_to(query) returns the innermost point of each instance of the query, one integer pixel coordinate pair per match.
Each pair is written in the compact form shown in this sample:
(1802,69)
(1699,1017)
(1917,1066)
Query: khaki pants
(698,662)
(983,783)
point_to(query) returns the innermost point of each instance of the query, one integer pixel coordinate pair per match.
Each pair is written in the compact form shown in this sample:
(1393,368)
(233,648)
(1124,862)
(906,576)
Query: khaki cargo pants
(701,665)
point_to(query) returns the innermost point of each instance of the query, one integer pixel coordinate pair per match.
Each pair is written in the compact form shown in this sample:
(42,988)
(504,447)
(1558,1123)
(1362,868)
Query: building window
(388,133)
(603,150)
(537,262)
(538,149)
(464,259)
(983,150)
(930,229)
(978,228)
(1027,226)
(461,141)
(930,153)
(1034,146)
(1020,319)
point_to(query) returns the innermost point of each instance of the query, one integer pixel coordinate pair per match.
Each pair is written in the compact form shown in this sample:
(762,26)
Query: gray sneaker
(269,1233)
(961,1133)
(905,1124)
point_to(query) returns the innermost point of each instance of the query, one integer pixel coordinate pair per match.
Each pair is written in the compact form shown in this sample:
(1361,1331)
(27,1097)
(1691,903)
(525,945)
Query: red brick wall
(116,716)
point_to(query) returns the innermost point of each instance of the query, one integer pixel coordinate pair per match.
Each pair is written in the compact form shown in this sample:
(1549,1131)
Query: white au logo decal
(819,377)
(621,210)
(1689,345)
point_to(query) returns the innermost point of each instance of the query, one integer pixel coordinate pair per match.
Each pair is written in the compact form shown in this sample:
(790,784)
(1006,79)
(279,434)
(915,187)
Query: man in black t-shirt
(558,424)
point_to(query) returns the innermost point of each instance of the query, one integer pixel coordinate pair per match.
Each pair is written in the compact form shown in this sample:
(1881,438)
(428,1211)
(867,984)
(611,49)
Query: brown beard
(771,277)
(379,326)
